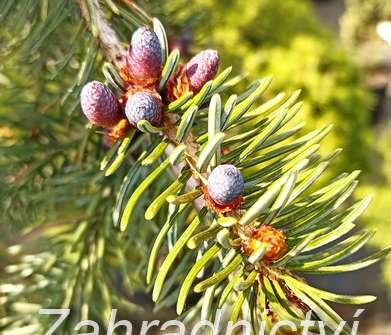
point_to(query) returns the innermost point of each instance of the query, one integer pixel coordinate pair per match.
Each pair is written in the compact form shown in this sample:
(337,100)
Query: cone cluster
(224,186)
(142,101)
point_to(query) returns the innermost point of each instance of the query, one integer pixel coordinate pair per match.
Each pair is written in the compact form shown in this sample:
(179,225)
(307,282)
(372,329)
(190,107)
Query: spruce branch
(243,255)
(261,239)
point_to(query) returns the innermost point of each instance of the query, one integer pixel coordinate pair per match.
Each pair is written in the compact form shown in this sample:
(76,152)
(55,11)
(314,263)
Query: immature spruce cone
(144,56)
(202,68)
(143,106)
(99,104)
(225,184)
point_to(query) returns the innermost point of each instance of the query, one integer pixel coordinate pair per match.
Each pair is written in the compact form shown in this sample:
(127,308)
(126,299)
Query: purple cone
(143,106)
(225,184)
(202,68)
(99,104)
(144,56)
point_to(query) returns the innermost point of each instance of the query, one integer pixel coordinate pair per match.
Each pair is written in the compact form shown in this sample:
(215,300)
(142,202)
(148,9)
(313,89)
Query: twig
(191,183)
(108,40)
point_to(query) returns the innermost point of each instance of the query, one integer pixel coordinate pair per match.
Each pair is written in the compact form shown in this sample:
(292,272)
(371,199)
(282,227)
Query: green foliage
(284,38)
(93,214)
(41,136)
(54,199)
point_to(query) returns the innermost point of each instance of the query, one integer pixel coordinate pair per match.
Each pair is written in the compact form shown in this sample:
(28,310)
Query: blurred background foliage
(378,182)
(358,24)
(360,34)
(345,81)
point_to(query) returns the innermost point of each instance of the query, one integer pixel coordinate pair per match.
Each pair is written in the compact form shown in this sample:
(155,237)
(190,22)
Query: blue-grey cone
(225,184)
(143,106)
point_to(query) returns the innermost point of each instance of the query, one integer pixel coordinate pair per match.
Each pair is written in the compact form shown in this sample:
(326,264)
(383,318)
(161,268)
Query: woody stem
(106,36)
